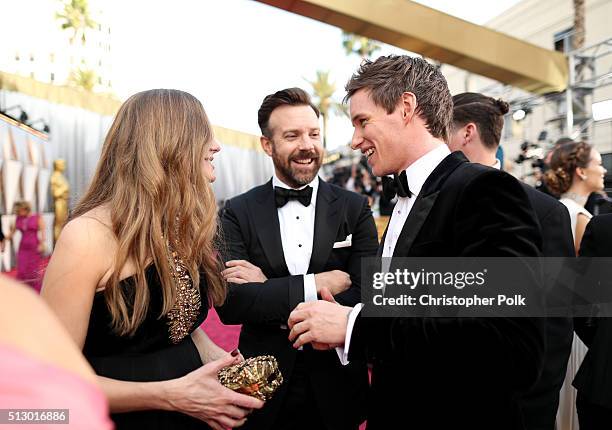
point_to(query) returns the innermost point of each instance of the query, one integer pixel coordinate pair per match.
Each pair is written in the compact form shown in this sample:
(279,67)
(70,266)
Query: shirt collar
(418,172)
(497,164)
(276,182)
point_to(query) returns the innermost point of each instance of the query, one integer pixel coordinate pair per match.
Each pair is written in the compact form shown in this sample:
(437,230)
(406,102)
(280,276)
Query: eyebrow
(297,131)
(357,117)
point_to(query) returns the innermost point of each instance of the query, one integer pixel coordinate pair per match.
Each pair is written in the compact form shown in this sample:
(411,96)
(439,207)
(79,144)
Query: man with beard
(286,240)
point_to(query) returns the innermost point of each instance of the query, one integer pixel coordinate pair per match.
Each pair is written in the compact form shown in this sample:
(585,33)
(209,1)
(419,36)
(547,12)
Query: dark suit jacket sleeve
(556,228)
(365,244)
(270,302)
(493,218)
(590,246)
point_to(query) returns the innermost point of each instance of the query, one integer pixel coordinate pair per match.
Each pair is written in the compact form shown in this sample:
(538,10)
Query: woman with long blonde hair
(135,270)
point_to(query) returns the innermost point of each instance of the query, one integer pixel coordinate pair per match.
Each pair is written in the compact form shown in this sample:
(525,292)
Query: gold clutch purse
(258,376)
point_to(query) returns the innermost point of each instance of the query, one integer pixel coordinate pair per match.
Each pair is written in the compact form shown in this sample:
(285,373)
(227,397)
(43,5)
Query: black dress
(148,355)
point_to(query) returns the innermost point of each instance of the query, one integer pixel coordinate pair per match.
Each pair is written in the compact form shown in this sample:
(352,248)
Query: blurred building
(46,52)
(550,24)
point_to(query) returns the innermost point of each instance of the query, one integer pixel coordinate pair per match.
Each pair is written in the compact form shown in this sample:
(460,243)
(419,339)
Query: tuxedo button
(297,217)
(300,245)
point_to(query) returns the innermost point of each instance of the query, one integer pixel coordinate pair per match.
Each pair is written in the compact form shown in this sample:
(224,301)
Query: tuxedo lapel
(327,221)
(381,245)
(425,202)
(414,222)
(265,217)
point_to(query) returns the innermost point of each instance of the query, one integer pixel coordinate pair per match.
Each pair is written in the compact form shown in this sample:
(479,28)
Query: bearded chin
(297,179)
(302,179)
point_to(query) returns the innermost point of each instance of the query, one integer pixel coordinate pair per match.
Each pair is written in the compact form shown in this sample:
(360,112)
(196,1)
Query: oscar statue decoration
(60,190)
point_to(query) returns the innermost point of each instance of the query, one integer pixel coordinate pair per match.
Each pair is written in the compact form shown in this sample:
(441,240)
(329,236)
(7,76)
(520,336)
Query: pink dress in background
(29,260)
(27,383)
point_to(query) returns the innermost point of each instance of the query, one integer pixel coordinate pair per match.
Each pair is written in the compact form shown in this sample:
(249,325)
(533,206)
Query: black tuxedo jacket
(252,232)
(541,402)
(594,378)
(450,373)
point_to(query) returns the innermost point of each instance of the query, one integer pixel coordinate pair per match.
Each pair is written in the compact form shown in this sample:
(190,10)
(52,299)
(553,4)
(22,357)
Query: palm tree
(75,17)
(83,78)
(360,45)
(323,91)
(579,25)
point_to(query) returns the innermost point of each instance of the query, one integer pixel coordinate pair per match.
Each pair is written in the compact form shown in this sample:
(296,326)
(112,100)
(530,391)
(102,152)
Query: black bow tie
(283,195)
(396,185)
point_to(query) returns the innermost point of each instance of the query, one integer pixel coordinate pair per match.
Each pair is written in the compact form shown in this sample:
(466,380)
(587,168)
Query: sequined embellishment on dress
(187,307)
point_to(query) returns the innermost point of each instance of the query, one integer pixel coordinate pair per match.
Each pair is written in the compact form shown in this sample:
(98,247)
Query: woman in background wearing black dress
(134,272)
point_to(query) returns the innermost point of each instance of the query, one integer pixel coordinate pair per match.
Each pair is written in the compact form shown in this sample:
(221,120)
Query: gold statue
(60,190)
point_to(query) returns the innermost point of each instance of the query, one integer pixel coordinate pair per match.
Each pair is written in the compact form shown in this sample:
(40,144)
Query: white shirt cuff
(310,288)
(343,351)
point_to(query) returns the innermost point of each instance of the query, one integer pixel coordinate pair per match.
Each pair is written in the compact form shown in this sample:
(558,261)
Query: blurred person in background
(31,245)
(477,125)
(575,172)
(598,203)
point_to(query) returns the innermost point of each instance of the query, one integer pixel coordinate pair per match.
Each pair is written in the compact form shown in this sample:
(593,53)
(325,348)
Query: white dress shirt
(297,234)
(416,174)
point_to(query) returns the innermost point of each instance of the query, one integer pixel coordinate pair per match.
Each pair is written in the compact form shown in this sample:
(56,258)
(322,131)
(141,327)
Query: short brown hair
(389,77)
(286,97)
(563,163)
(486,112)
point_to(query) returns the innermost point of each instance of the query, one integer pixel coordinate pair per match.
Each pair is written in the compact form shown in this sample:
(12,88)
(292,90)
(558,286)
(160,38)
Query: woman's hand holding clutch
(201,395)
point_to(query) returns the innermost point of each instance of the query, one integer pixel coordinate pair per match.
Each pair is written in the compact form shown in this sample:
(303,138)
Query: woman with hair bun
(575,172)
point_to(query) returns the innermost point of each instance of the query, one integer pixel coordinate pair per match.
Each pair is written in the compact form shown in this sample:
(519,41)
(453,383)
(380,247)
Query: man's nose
(357,140)
(306,143)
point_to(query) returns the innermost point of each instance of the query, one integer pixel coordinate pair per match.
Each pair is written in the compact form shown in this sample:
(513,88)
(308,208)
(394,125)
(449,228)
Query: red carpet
(226,336)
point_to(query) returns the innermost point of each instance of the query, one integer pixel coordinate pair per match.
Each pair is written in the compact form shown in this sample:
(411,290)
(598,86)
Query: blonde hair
(150,176)
(22,204)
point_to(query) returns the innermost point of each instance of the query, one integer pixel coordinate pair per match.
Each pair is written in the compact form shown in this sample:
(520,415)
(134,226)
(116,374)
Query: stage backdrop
(25,170)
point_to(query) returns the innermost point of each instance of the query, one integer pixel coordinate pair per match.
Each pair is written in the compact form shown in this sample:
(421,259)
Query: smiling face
(378,134)
(207,166)
(295,144)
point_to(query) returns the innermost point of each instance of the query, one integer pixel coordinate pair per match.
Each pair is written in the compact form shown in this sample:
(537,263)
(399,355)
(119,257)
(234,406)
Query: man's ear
(266,145)
(408,105)
(470,133)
